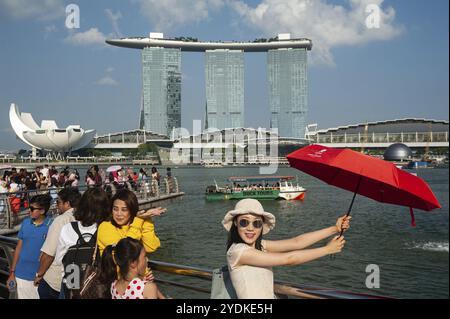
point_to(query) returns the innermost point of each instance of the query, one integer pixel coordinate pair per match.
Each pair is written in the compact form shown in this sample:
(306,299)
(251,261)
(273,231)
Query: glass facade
(161,90)
(288,91)
(224,78)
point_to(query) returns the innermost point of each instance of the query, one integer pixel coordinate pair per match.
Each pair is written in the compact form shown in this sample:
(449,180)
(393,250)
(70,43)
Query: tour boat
(257,187)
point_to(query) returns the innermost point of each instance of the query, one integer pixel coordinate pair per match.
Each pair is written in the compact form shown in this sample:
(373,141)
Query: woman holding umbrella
(250,258)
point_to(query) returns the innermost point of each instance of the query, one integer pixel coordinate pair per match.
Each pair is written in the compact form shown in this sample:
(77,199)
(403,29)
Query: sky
(358,70)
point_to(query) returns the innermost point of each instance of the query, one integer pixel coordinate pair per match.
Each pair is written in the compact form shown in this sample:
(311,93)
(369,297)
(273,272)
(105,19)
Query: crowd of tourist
(18,184)
(89,224)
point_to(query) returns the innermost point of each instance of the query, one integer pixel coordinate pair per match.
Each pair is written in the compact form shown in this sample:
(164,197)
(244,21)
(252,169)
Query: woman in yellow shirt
(125,223)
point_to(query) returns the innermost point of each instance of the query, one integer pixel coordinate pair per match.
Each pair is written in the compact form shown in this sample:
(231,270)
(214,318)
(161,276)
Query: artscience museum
(48,136)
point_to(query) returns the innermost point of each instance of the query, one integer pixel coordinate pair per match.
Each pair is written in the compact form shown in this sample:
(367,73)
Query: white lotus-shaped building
(48,136)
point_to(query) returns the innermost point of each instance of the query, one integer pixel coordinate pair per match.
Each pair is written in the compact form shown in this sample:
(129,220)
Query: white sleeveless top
(135,290)
(249,282)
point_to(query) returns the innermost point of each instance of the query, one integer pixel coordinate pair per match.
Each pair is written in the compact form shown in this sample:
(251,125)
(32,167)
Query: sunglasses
(32,209)
(256,223)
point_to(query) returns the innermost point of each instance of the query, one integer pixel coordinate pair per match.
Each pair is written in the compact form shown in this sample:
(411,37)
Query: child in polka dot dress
(124,265)
(134,290)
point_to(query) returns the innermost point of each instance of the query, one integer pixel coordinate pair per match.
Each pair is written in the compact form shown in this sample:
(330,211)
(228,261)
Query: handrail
(146,190)
(6,245)
(281,288)
(9,241)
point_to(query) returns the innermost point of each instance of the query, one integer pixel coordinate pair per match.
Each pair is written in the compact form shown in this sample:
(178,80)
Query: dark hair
(126,251)
(130,200)
(54,182)
(43,200)
(154,170)
(71,195)
(94,207)
(234,238)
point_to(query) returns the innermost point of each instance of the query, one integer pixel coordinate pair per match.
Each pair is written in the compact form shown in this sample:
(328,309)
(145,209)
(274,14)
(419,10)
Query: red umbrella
(364,175)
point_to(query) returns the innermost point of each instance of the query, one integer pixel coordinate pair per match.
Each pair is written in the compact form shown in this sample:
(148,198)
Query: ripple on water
(430,246)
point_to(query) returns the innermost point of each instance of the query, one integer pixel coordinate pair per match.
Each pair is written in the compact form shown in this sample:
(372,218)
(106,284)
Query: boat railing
(13,206)
(182,276)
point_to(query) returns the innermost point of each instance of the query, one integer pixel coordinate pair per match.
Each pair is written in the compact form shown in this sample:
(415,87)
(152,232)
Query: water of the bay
(413,262)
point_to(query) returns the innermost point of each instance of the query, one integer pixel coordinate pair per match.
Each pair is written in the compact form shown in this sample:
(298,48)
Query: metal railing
(282,289)
(7,246)
(13,206)
(404,137)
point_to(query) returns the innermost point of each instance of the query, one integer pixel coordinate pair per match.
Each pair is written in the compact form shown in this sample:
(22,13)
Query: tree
(146,148)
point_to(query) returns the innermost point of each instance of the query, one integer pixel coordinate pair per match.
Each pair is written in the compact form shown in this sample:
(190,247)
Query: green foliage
(97,152)
(145,148)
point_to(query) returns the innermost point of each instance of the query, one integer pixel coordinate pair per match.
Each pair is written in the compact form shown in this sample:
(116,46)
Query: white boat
(289,191)
(257,187)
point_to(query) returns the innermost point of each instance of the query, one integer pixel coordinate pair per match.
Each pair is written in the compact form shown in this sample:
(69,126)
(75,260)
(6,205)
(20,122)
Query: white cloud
(106,80)
(49,29)
(114,18)
(89,37)
(168,14)
(327,25)
(40,9)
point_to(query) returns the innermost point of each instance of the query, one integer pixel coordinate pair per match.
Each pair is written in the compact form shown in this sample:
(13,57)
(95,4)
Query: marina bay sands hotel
(224,78)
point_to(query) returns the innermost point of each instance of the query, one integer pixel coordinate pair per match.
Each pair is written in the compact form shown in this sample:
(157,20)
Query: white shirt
(250,282)
(69,237)
(53,274)
(44,172)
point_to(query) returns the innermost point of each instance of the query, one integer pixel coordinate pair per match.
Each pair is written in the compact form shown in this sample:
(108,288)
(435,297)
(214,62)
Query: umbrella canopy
(365,175)
(113,168)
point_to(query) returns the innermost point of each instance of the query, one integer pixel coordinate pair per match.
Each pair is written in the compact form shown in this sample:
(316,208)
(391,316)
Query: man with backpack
(77,241)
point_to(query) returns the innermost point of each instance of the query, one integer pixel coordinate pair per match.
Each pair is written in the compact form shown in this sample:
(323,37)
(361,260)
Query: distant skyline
(356,74)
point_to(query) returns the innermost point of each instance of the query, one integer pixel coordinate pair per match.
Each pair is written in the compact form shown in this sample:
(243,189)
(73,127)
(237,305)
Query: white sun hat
(249,206)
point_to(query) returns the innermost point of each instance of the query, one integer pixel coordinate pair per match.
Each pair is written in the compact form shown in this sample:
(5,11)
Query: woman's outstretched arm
(308,239)
(257,258)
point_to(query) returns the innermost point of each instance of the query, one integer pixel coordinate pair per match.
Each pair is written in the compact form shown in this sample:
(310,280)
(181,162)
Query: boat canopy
(252,179)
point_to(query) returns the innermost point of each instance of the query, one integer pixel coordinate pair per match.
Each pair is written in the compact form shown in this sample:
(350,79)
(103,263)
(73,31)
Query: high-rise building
(224,79)
(161,89)
(288,91)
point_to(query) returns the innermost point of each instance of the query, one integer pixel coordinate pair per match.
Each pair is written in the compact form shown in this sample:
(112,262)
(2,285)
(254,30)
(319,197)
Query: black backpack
(81,255)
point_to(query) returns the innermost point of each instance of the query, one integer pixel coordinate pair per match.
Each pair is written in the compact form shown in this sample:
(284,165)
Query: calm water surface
(413,262)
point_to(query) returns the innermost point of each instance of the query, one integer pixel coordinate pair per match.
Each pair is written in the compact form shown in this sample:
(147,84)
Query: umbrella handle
(342,230)
(351,204)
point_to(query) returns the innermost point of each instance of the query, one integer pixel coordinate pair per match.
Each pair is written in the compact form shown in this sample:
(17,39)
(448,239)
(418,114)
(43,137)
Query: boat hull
(292,195)
(257,194)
